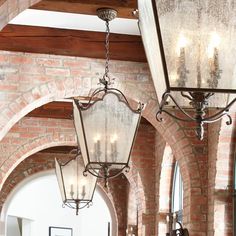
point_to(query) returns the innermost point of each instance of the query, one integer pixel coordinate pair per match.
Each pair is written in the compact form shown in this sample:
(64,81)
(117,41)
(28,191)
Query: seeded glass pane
(80,133)
(199,42)
(110,126)
(151,44)
(60,180)
(77,186)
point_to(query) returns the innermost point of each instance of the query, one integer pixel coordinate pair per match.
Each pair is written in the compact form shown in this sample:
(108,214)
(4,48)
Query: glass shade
(190,45)
(74,186)
(106,131)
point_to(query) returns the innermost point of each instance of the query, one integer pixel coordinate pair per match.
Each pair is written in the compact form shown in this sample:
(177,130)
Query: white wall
(40,201)
(12,226)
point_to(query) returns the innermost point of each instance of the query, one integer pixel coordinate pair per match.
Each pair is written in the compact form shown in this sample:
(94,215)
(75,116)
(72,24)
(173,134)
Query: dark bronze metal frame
(77,204)
(105,166)
(198,97)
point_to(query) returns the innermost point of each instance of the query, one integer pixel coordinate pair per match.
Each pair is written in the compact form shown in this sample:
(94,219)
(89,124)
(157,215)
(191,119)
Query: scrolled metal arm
(164,98)
(106,174)
(199,106)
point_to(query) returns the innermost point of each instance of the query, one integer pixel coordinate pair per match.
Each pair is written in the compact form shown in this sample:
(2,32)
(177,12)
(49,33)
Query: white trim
(63,20)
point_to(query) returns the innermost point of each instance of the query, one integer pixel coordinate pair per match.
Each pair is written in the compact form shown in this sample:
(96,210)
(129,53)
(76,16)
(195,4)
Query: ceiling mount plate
(106,14)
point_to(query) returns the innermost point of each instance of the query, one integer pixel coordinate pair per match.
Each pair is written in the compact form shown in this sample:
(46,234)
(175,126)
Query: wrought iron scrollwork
(199,102)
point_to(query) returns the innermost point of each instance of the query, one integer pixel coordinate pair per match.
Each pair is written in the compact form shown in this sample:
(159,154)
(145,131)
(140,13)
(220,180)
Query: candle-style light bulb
(83,183)
(214,44)
(114,138)
(83,191)
(97,146)
(181,45)
(181,68)
(214,65)
(113,141)
(72,190)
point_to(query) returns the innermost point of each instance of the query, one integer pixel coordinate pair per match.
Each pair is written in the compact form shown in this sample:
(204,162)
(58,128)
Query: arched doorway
(35,205)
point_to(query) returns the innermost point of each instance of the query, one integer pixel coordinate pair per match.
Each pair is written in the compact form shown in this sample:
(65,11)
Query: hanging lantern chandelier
(106,127)
(190,47)
(76,189)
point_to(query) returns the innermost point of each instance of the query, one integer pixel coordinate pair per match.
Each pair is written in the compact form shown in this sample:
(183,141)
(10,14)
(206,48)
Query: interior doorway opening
(35,209)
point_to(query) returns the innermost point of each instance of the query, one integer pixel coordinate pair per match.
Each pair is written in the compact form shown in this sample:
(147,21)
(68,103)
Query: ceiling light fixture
(190,47)
(106,127)
(76,189)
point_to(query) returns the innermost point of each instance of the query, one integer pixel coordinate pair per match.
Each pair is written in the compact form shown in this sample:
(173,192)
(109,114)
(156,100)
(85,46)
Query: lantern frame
(198,98)
(107,15)
(98,95)
(72,203)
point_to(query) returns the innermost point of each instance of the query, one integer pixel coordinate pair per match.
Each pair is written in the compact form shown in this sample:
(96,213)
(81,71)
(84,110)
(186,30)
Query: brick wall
(221,159)
(27,141)
(48,78)
(119,188)
(31,80)
(31,135)
(45,160)
(143,157)
(165,188)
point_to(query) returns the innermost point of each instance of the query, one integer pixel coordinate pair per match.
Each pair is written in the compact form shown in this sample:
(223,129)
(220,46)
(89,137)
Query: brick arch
(43,168)
(29,149)
(165,188)
(137,186)
(39,96)
(59,133)
(49,78)
(181,148)
(45,163)
(221,165)
(191,155)
(11,9)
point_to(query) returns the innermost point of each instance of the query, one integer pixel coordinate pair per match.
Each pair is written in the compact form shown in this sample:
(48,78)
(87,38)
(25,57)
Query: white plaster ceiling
(64,20)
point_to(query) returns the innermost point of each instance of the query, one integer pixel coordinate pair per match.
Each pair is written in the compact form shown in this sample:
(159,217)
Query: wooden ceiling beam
(89,7)
(70,43)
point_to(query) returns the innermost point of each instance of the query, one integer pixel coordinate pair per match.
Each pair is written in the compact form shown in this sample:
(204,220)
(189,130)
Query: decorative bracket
(199,101)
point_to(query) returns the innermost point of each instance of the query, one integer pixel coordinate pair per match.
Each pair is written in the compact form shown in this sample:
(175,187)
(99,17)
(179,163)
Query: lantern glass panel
(80,132)
(198,39)
(147,26)
(76,185)
(109,129)
(60,180)
(200,36)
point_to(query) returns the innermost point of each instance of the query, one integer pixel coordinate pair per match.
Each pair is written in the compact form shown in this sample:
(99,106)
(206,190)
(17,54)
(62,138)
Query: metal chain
(107,45)
(106,79)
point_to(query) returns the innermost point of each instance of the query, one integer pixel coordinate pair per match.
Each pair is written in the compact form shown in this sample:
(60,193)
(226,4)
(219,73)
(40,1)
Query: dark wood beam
(70,42)
(58,149)
(55,110)
(89,7)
